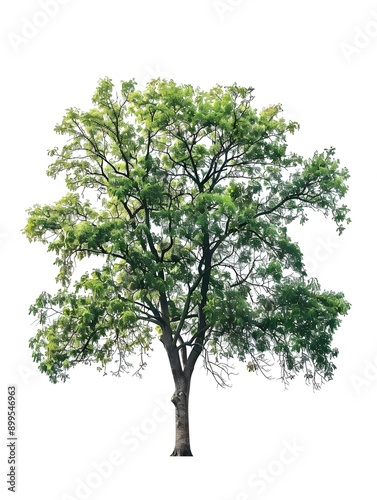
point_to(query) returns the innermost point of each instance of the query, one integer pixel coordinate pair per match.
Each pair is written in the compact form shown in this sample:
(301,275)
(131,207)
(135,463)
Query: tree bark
(180,400)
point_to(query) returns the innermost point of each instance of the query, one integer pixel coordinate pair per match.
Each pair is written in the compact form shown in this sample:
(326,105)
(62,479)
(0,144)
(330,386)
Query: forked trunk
(180,399)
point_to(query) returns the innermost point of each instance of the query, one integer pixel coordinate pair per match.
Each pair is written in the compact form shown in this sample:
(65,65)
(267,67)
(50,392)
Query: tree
(193,194)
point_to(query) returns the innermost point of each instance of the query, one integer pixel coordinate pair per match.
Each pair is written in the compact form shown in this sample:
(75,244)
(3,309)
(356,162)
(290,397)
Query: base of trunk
(182,434)
(182,453)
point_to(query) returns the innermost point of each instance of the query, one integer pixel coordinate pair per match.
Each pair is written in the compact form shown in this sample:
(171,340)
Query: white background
(254,440)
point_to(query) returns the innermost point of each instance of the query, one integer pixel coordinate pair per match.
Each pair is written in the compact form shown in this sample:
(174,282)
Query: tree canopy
(187,194)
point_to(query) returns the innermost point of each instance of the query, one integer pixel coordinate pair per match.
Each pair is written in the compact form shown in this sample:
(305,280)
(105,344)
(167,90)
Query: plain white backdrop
(98,437)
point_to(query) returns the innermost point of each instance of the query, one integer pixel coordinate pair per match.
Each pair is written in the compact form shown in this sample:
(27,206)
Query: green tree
(193,193)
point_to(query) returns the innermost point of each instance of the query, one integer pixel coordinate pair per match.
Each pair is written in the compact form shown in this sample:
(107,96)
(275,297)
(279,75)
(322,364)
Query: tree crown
(193,194)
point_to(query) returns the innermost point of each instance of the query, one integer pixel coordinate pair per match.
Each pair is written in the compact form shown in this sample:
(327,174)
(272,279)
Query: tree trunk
(180,400)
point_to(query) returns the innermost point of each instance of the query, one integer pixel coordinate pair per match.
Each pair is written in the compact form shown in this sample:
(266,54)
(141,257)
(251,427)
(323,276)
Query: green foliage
(191,195)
